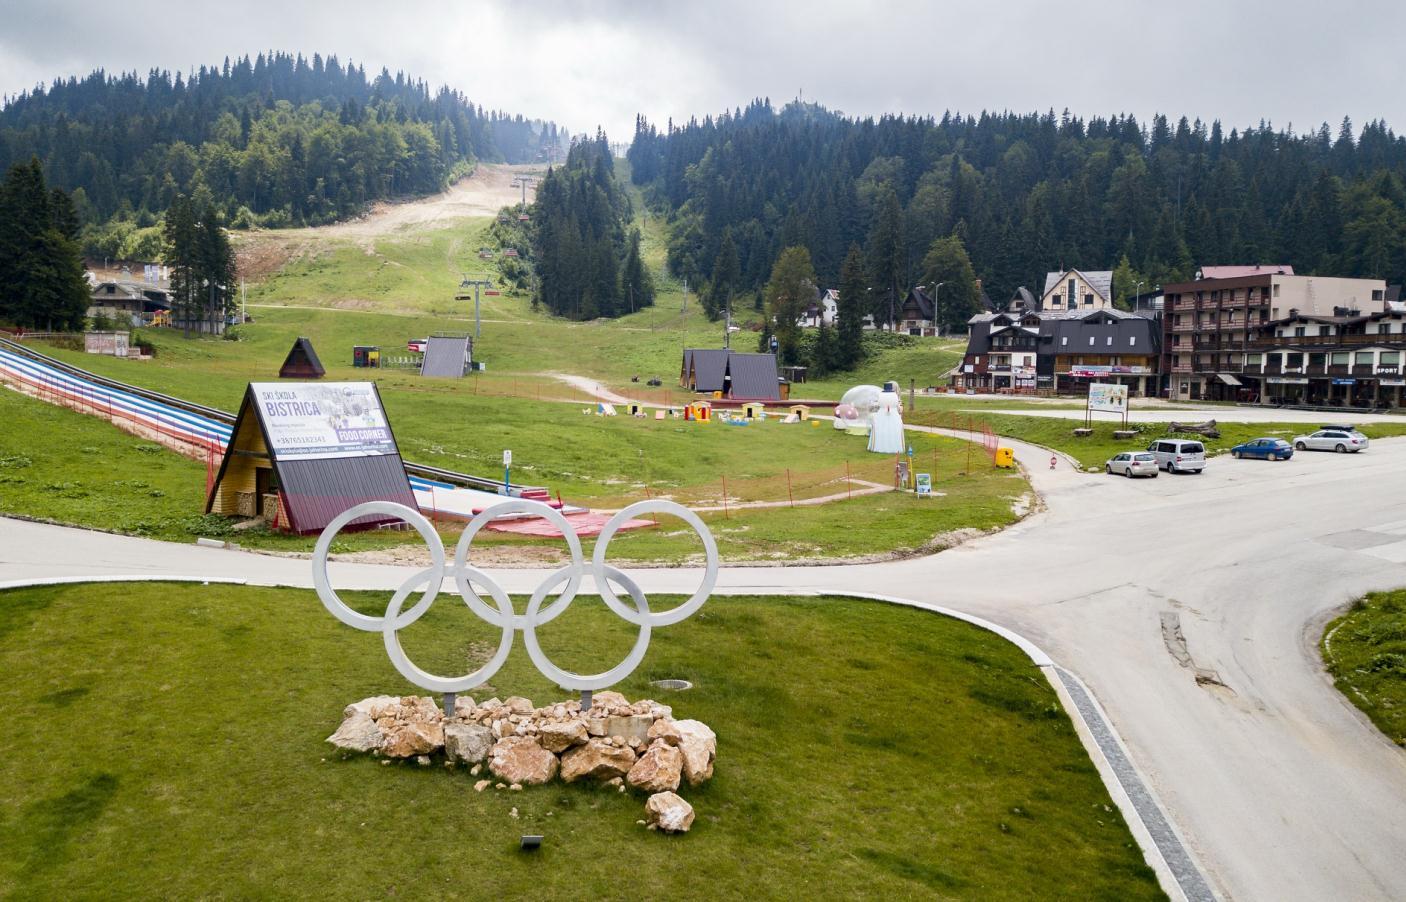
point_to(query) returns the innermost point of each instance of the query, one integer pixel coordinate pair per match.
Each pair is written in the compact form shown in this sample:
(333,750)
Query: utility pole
(685,295)
(935,289)
(475,284)
(727,323)
(1137,295)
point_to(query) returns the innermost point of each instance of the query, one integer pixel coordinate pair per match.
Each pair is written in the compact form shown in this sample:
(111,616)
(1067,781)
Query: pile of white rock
(627,745)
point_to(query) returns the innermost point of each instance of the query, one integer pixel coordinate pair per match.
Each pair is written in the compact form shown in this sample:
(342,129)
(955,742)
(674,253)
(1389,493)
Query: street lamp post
(935,288)
(1137,294)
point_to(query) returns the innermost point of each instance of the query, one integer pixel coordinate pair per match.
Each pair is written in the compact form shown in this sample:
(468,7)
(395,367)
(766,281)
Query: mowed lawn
(61,465)
(167,740)
(1365,651)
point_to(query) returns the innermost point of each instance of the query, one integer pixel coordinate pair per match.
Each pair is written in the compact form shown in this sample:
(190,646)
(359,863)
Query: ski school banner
(308,420)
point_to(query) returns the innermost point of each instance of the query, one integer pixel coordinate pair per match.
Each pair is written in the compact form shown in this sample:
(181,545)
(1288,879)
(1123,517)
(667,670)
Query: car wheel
(1340,448)
(1128,472)
(1235,454)
(1108,468)
(1301,446)
(1273,456)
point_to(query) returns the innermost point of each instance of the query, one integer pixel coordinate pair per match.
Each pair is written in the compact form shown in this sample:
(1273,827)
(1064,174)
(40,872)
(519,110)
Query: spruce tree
(851,307)
(790,289)
(41,272)
(726,275)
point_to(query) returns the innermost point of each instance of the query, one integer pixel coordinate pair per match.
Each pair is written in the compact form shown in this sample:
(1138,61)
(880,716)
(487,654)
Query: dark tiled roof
(1101,281)
(919,298)
(301,362)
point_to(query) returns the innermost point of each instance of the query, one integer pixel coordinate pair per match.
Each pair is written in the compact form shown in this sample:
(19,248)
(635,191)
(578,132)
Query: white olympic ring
(501,614)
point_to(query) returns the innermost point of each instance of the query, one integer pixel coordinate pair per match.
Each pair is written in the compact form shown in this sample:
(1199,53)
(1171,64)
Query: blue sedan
(1264,449)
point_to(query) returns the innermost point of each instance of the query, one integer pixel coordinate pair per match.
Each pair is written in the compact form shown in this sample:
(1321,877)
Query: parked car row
(1186,456)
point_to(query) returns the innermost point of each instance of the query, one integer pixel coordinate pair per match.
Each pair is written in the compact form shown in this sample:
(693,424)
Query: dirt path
(481,194)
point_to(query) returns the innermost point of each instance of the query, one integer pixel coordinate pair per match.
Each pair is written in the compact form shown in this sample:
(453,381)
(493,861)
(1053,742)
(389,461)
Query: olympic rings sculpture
(501,613)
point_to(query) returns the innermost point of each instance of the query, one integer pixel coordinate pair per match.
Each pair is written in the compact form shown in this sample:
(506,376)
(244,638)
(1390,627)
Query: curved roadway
(1189,605)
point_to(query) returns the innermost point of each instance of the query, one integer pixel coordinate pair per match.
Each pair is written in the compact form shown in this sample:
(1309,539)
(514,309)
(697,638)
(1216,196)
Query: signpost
(507,470)
(924,485)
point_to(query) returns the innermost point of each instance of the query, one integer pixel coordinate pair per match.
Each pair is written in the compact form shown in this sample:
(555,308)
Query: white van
(1178,455)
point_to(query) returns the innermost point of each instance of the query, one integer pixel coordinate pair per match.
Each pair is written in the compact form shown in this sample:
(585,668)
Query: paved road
(1163,414)
(1187,604)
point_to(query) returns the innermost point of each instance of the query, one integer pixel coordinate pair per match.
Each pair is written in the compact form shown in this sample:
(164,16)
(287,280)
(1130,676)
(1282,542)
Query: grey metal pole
(478,327)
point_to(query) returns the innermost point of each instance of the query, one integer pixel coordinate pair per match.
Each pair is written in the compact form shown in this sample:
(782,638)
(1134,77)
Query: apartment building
(1211,323)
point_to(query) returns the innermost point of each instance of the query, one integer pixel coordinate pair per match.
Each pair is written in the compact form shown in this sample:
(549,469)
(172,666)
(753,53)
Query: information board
(1108,398)
(310,420)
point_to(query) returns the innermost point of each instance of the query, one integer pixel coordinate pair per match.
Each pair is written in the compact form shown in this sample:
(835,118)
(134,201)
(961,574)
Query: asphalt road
(1190,606)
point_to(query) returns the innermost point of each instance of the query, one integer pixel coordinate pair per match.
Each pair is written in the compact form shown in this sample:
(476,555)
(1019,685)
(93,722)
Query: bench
(1122,434)
(1083,433)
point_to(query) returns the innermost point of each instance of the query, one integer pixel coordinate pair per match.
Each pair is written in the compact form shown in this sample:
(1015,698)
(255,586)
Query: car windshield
(1144,457)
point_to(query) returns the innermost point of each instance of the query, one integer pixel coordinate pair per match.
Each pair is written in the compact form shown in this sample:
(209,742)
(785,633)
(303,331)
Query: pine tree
(181,255)
(790,289)
(41,273)
(636,284)
(851,307)
(886,256)
(959,299)
(726,274)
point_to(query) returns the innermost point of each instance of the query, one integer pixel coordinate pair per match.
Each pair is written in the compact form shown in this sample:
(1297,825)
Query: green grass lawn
(167,740)
(1365,651)
(86,472)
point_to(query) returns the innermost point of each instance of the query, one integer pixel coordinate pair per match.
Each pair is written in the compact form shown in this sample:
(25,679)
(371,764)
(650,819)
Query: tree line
(278,140)
(1017,195)
(587,265)
(42,285)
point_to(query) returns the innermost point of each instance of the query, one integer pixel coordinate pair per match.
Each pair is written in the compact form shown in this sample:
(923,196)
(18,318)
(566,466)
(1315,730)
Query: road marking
(1188,876)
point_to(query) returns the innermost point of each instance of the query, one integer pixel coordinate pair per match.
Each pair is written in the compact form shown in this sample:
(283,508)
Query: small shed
(301,362)
(636,409)
(366,356)
(698,410)
(754,410)
(800,411)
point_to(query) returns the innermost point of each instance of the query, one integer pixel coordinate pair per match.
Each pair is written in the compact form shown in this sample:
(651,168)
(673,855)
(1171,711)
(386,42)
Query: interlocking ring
(501,614)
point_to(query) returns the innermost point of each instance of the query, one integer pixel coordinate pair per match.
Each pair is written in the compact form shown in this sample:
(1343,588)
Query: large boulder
(467,742)
(658,769)
(597,758)
(667,812)
(521,759)
(408,738)
(518,705)
(664,729)
(558,737)
(373,707)
(699,745)
(358,732)
(608,699)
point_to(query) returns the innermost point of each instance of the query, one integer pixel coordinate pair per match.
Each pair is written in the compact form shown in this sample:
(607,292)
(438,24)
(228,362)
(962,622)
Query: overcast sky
(588,64)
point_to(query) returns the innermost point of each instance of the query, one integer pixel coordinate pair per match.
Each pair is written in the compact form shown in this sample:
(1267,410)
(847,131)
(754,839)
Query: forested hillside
(279,140)
(1026,193)
(587,266)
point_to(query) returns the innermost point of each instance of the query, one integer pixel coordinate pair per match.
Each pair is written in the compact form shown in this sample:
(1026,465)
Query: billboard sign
(1108,397)
(308,421)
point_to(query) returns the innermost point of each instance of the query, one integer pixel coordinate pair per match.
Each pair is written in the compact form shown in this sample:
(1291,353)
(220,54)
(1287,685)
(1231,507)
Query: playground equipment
(886,425)
(366,356)
(856,409)
(754,410)
(605,409)
(1005,458)
(635,409)
(701,411)
(800,411)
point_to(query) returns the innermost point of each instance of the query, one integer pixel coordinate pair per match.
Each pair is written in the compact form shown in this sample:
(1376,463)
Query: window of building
(1365,358)
(1340,358)
(1276,289)
(1132,340)
(1091,340)
(1088,300)
(1390,358)
(1377,294)
(1057,300)
(1110,341)
(1299,331)
(1294,360)
(1073,287)
(1063,340)
(1252,359)
(1383,328)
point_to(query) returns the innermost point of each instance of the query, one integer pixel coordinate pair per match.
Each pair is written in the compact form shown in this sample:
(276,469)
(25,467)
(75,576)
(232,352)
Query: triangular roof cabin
(301,362)
(274,450)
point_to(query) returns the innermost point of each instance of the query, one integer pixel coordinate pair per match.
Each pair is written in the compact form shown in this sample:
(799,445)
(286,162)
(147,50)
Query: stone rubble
(616,742)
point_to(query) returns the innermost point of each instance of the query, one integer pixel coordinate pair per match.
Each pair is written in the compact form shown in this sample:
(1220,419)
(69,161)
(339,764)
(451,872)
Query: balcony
(1324,341)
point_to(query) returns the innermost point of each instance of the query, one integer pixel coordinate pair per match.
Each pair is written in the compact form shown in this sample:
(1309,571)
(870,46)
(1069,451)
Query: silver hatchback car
(1340,439)
(1132,463)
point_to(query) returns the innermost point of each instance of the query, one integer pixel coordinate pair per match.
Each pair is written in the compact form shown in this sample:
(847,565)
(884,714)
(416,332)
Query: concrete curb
(133,578)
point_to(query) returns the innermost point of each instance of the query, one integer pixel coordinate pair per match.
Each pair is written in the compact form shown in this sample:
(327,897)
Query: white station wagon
(1341,439)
